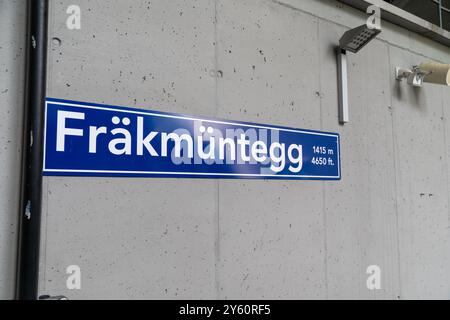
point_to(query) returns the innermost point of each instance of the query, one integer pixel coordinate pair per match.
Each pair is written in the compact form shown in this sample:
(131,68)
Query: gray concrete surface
(243,239)
(12,71)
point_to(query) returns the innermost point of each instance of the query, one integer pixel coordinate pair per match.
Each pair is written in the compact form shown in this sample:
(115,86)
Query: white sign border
(144,112)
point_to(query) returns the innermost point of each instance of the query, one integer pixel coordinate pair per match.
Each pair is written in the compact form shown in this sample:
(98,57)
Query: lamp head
(355,39)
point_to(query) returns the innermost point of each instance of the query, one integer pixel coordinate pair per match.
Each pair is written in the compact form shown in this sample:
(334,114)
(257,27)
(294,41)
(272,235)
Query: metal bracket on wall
(414,77)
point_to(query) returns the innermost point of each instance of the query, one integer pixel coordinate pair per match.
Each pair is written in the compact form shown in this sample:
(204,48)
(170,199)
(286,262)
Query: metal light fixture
(353,41)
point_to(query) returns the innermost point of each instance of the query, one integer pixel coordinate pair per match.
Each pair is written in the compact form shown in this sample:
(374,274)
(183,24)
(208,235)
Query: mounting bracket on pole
(414,77)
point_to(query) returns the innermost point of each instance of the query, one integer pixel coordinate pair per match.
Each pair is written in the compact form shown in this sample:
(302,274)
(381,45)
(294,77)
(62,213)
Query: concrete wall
(12,72)
(181,238)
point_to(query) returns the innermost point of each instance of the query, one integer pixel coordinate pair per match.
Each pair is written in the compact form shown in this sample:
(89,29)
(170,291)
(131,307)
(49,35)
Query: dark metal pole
(31,180)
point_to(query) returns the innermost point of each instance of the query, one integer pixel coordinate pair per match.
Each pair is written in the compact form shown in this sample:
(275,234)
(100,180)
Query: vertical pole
(31,180)
(342,86)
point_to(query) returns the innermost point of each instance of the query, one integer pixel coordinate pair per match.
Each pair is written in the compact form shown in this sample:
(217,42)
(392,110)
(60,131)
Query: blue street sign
(87,139)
